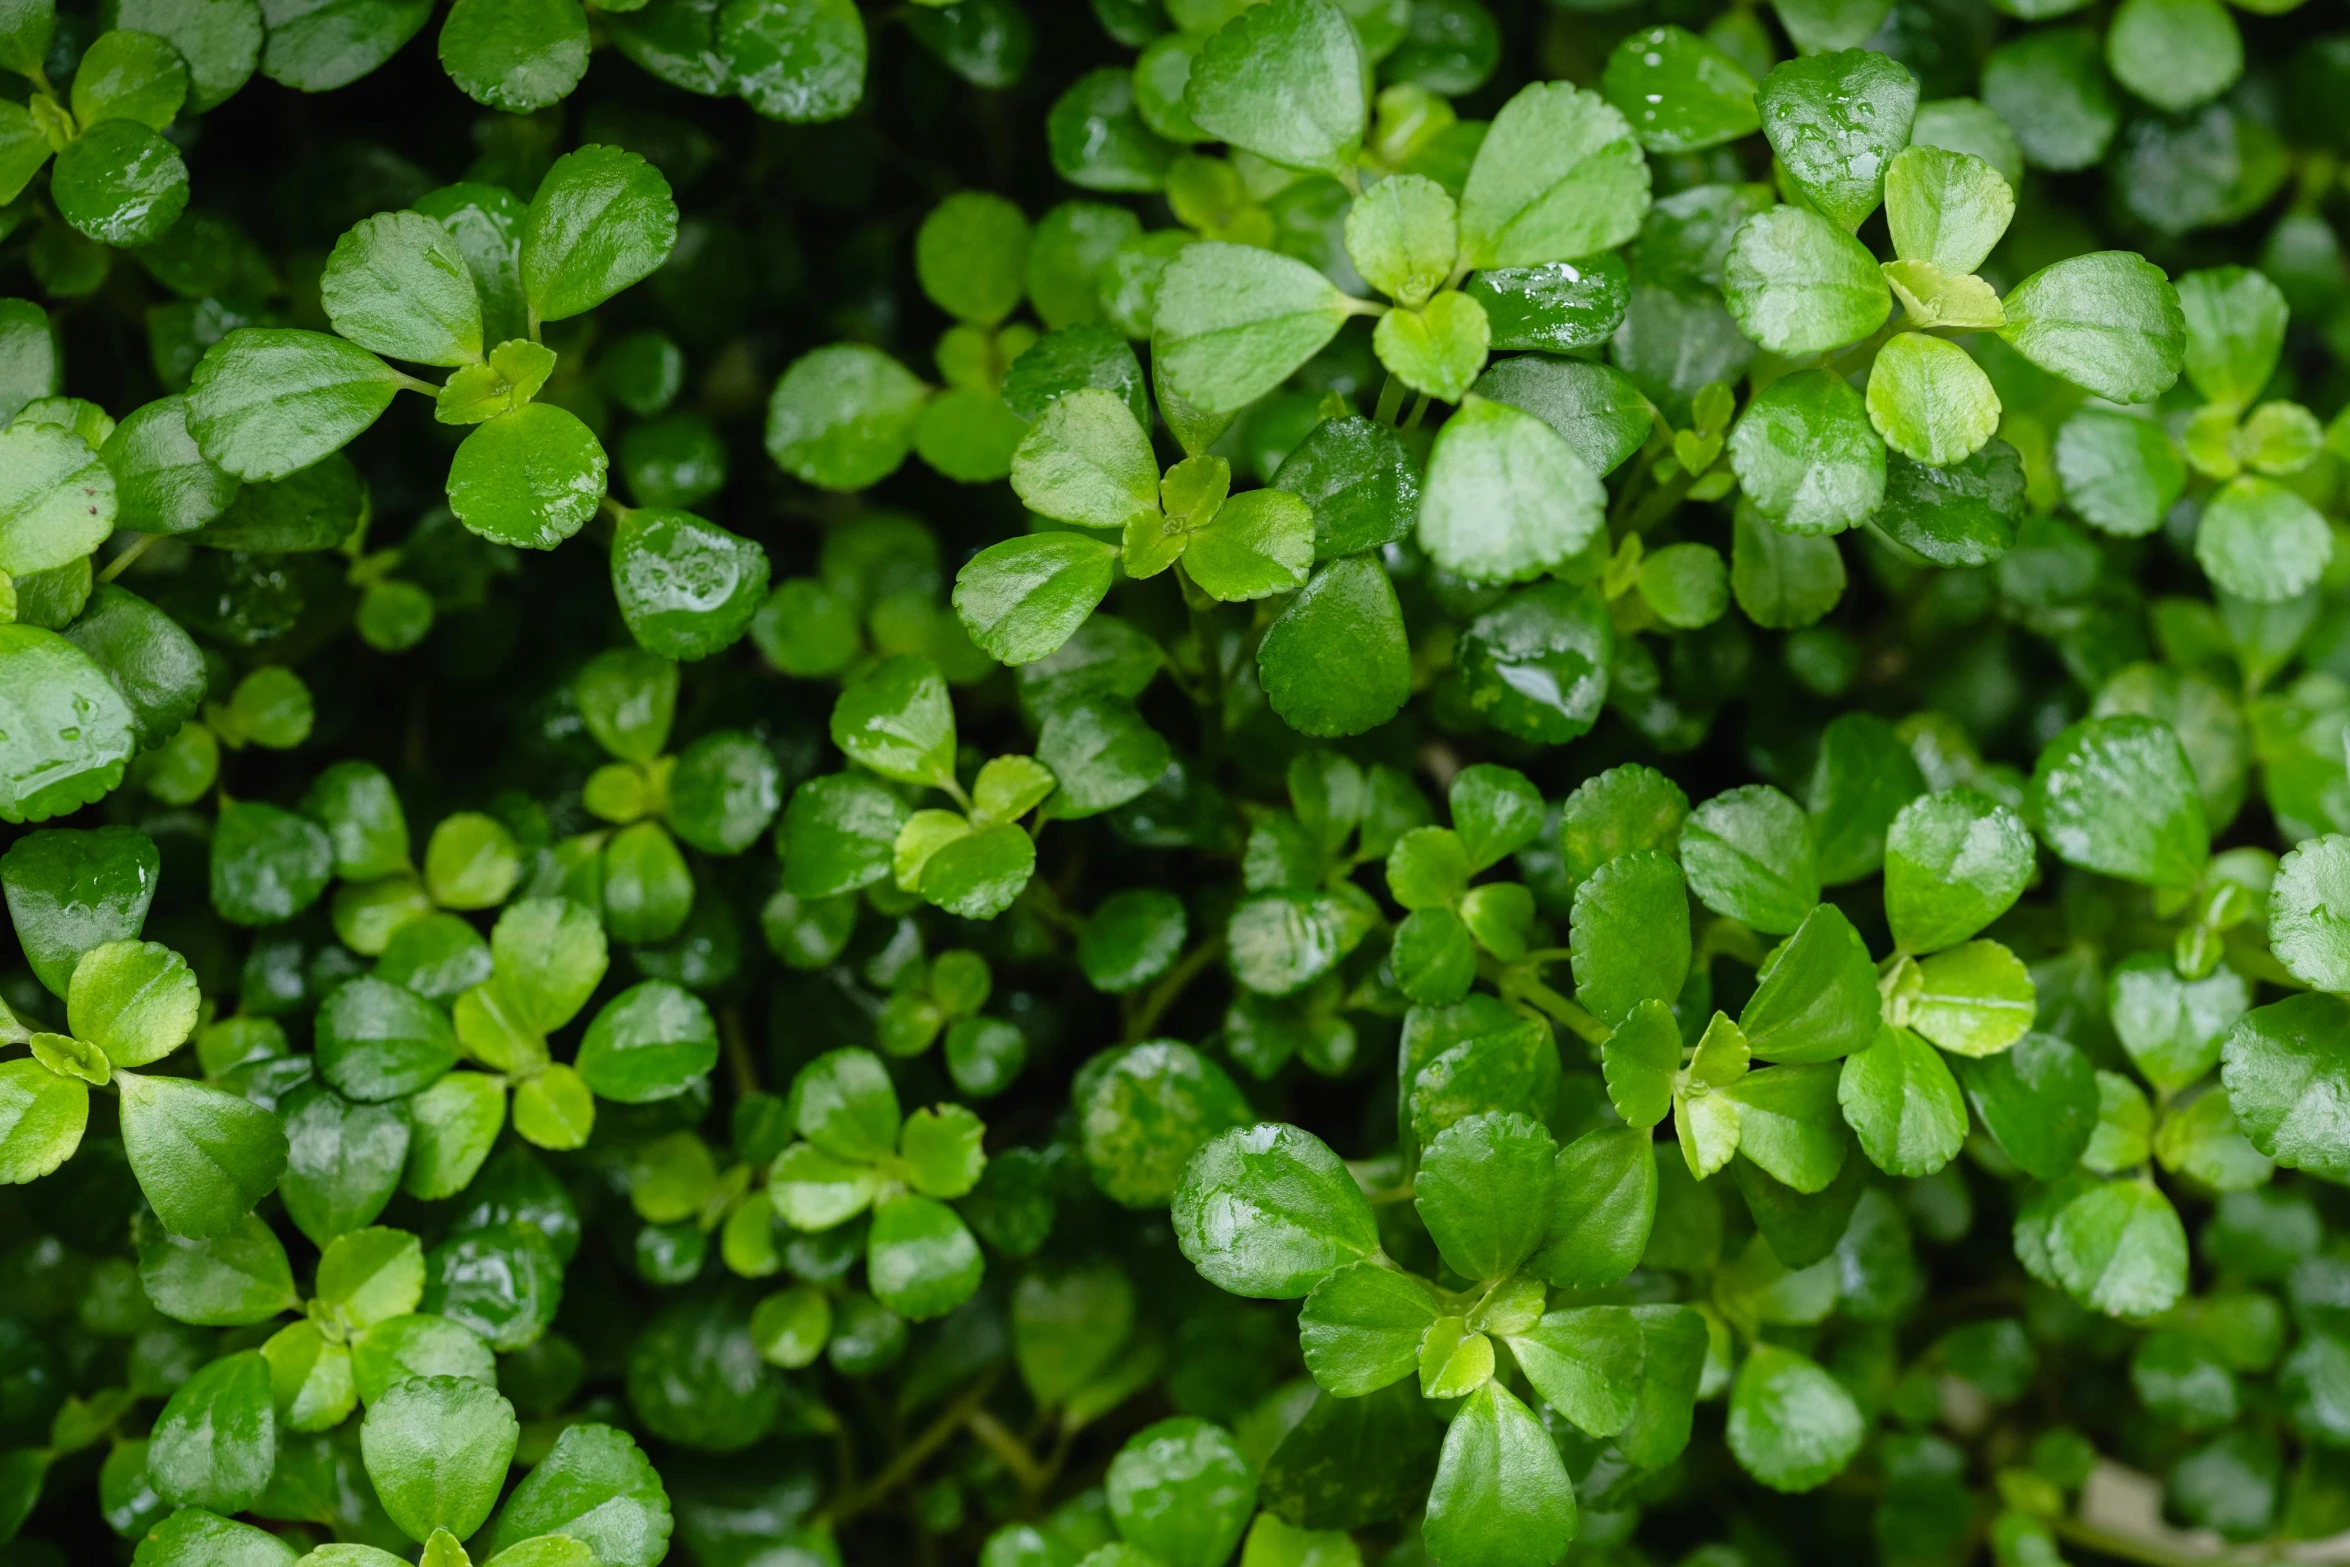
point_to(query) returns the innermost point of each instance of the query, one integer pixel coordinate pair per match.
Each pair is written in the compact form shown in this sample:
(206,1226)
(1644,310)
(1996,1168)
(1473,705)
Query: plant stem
(910,1458)
(1171,984)
(1548,1001)
(738,1051)
(1390,399)
(1010,1451)
(122,563)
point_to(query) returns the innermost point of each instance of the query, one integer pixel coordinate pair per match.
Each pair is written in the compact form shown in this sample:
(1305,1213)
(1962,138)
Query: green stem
(738,1051)
(1548,1001)
(1660,502)
(910,1458)
(1010,1451)
(1861,353)
(2154,1553)
(1419,412)
(1390,399)
(1171,985)
(1202,610)
(122,563)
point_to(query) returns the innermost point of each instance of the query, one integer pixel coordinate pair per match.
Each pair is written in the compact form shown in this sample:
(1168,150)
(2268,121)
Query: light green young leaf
(1023,599)
(601,220)
(1806,454)
(1087,461)
(530,478)
(1798,285)
(1945,208)
(1930,400)
(1560,176)
(398,284)
(1233,322)
(1506,498)
(1402,235)
(2109,321)
(1285,81)
(2116,795)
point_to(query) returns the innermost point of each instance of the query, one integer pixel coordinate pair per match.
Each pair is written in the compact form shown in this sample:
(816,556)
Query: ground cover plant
(1164,783)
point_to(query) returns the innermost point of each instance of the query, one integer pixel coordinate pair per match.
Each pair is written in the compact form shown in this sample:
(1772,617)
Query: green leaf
(2119,1248)
(597,1487)
(120,183)
(378,1040)
(1346,618)
(842,417)
(2049,86)
(1560,176)
(1815,996)
(1783,580)
(1088,461)
(1680,93)
(265,402)
(844,1103)
(1257,544)
(203,1157)
(2282,1065)
(1748,854)
(1182,1491)
(2260,541)
(1798,285)
(343,1161)
(194,1537)
(371,1276)
(1360,1329)
(1234,321)
(1900,1099)
(1945,208)
(1836,122)
(1558,307)
(1402,235)
(232,1280)
(2173,1027)
(2040,1100)
(1639,1061)
(1599,413)
(896,719)
(1585,1362)
(1507,499)
(42,1116)
(1975,999)
(801,61)
(1270,1212)
(456,1121)
(1483,1190)
(1102,754)
(420,1345)
(2174,54)
(162,482)
(397,284)
(1792,1425)
(686,588)
(1131,939)
(127,75)
(216,1440)
(971,255)
(1603,1204)
(437,1449)
(529,478)
(1362,484)
(1930,400)
(135,1000)
(1098,141)
(71,890)
(515,58)
(724,791)
(57,500)
(601,220)
(1285,81)
(219,42)
(1955,860)
(319,45)
(648,1043)
(838,833)
(1806,454)
(2116,795)
(1961,515)
(1630,934)
(1068,1325)
(2235,322)
(2109,321)
(1436,350)
(1145,1111)
(65,732)
(921,1261)
(1501,1497)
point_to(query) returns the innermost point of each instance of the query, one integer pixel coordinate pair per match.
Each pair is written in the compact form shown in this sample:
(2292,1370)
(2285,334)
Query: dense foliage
(1168,781)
